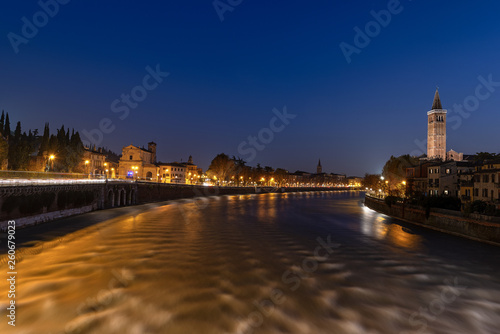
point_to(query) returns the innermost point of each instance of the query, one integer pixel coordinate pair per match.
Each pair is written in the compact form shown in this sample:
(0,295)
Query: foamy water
(269,263)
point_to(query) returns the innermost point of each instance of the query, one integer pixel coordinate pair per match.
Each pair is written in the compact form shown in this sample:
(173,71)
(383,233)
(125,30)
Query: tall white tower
(436,130)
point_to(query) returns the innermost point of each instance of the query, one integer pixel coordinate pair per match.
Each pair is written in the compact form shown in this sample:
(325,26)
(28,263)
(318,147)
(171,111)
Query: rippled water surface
(269,263)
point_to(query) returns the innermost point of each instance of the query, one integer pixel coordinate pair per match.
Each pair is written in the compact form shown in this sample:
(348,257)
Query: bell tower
(436,130)
(319,169)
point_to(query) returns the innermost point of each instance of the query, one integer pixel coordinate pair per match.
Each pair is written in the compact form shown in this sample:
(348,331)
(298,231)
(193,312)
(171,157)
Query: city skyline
(227,79)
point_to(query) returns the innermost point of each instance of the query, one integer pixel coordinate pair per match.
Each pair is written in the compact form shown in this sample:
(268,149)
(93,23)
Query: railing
(28,178)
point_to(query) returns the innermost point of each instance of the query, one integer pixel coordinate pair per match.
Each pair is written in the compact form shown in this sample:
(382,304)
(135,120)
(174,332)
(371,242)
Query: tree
(44,144)
(6,132)
(394,170)
(75,152)
(221,168)
(372,181)
(4,152)
(20,149)
(280,176)
(2,122)
(480,157)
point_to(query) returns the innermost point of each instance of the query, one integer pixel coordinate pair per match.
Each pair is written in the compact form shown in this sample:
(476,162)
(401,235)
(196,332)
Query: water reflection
(379,226)
(191,268)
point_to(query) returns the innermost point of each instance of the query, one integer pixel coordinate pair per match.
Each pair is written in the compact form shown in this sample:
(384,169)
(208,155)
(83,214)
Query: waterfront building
(416,179)
(444,177)
(192,172)
(433,173)
(172,172)
(466,181)
(487,182)
(138,163)
(93,162)
(111,168)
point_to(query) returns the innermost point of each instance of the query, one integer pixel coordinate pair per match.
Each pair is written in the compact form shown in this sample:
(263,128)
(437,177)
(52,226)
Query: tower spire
(436,104)
(319,169)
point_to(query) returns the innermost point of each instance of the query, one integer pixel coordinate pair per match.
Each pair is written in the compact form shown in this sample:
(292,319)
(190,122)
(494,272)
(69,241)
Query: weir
(38,203)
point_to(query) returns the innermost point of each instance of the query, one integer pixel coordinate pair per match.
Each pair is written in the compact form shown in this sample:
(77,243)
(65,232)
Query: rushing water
(269,263)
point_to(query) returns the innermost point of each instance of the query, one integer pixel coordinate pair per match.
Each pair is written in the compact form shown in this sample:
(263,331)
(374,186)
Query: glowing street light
(50,163)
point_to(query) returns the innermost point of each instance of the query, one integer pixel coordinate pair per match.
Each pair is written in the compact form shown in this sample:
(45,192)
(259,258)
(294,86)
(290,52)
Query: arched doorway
(149,176)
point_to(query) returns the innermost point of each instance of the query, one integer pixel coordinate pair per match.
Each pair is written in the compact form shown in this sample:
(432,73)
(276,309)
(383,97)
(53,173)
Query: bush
(484,208)
(390,200)
(479,206)
(448,203)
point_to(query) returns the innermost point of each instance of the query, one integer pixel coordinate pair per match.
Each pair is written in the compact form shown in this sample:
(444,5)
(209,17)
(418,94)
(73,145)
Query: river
(315,262)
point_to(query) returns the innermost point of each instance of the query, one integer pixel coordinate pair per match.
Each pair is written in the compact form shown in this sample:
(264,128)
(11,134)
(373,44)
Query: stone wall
(112,194)
(442,220)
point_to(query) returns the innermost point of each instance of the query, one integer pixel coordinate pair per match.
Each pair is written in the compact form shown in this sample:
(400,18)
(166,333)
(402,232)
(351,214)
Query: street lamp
(86,167)
(51,162)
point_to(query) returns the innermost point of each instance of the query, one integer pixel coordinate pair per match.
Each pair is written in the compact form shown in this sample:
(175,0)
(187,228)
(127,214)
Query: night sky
(226,77)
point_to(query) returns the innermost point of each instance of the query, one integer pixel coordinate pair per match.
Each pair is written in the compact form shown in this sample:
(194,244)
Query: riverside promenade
(477,227)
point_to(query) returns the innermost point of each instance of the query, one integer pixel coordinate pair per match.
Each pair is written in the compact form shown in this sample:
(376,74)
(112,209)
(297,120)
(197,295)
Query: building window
(486,178)
(485,193)
(130,158)
(492,178)
(448,171)
(476,192)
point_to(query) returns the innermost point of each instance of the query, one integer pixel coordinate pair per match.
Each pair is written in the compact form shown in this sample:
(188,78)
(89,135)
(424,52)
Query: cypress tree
(6,132)
(44,145)
(2,122)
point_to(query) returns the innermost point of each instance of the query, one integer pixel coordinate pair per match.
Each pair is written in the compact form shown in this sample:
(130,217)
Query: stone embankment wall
(477,227)
(30,205)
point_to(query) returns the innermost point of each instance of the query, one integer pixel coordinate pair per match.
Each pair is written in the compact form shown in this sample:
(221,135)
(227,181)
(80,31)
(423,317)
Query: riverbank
(152,193)
(479,228)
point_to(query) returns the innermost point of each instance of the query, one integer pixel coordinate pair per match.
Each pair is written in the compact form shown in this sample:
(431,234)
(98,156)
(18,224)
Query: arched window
(149,175)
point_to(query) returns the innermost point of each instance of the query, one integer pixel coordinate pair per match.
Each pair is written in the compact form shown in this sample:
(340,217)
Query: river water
(270,263)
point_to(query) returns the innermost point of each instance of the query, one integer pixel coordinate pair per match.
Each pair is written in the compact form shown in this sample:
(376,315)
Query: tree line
(20,149)
(224,170)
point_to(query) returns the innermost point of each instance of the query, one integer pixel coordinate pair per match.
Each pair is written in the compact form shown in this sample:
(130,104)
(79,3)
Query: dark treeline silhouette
(28,151)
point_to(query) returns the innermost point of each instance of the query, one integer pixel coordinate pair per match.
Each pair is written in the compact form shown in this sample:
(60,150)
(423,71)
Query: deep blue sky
(226,77)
